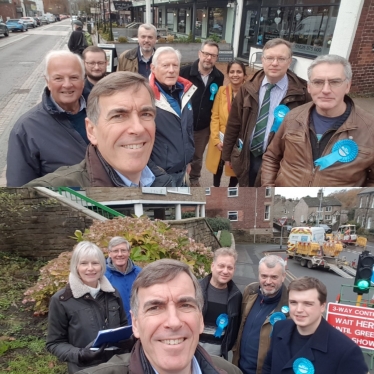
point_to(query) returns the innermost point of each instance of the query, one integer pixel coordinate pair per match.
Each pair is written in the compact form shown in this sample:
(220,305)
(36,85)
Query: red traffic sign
(282,220)
(356,322)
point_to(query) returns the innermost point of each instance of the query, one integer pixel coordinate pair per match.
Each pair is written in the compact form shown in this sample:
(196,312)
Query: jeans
(177,178)
(201,139)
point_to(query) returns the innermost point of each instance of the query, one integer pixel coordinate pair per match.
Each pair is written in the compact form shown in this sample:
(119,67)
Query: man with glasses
(249,127)
(328,142)
(207,78)
(121,270)
(95,63)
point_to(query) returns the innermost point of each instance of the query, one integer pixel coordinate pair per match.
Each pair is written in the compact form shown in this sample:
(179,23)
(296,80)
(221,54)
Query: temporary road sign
(356,322)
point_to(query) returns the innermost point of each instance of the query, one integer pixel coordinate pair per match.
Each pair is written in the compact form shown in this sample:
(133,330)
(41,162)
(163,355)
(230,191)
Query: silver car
(30,22)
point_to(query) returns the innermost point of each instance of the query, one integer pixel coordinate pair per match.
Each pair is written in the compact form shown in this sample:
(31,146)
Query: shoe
(195,183)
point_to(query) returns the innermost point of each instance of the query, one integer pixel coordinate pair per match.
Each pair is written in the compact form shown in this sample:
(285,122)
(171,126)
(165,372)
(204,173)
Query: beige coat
(220,114)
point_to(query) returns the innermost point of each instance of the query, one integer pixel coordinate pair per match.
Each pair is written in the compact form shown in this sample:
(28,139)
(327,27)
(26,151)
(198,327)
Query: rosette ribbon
(213,90)
(275,317)
(303,366)
(222,321)
(345,150)
(279,113)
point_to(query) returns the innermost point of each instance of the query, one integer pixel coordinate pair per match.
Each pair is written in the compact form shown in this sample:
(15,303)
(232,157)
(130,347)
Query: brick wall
(44,229)
(219,204)
(362,56)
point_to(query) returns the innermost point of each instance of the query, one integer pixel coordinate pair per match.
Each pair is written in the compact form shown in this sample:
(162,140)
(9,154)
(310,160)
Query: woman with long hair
(220,113)
(88,304)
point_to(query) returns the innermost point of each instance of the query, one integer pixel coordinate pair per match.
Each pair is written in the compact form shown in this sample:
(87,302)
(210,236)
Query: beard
(96,77)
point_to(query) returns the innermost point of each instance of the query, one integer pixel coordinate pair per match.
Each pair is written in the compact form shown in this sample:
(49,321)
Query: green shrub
(189,39)
(219,223)
(182,39)
(225,238)
(150,241)
(216,38)
(197,40)
(123,39)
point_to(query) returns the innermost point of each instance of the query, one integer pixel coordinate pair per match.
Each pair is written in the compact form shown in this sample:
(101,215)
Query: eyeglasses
(206,54)
(92,64)
(117,251)
(270,60)
(333,83)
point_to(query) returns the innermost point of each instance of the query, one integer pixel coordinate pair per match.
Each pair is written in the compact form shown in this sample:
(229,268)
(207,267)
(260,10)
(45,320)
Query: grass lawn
(22,336)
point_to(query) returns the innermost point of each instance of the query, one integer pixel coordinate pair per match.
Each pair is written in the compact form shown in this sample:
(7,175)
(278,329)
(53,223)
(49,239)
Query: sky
(299,192)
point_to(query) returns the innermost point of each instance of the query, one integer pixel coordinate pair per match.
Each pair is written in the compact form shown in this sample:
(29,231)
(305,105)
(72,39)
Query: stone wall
(199,230)
(45,227)
(362,54)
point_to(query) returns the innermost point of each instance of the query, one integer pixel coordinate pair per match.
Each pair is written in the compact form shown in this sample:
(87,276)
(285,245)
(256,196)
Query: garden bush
(225,238)
(150,241)
(219,223)
(123,39)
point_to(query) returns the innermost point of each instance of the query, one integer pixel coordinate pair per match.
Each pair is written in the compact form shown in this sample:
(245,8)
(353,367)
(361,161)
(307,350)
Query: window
(180,190)
(170,19)
(232,216)
(207,191)
(232,191)
(267,213)
(368,226)
(215,21)
(268,192)
(361,202)
(182,20)
(328,209)
(327,217)
(310,28)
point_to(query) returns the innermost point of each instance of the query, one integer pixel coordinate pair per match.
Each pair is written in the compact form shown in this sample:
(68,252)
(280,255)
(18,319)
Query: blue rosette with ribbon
(345,150)
(303,366)
(222,321)
(275,317)
(213,90)
(279,113)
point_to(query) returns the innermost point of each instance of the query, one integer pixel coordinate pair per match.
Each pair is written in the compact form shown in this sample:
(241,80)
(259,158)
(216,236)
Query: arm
(57,337)
(272,158)
(22,159)
(352,361)
(233,126)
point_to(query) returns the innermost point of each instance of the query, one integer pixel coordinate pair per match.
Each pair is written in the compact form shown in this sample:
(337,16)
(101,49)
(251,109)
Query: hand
(126,345)
(188,170)
(219,146)
(228,164)
(86,356)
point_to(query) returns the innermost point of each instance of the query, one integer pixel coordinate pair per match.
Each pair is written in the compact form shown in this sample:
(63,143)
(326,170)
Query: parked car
(30,22)
(327,228)
(4,29)
(63,16)
(16,25)
(38,21)
(44,20)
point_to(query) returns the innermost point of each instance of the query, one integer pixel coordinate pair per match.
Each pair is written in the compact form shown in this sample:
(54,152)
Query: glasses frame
(118,251)
(335,84)
(207,54)
(280,60)
(93,64)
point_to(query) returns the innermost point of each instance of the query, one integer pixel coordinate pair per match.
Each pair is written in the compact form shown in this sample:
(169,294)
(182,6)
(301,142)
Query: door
(248,36)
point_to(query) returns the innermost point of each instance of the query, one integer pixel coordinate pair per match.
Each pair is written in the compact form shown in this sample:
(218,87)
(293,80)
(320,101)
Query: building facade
(364,213)
(284,207)
(249,209)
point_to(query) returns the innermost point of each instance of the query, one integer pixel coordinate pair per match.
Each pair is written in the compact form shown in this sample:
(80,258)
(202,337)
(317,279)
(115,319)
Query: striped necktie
(262,121)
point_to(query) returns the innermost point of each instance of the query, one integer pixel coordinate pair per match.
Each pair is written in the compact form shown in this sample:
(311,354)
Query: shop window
(170,19)
(232,216)
(182,20)
(200,15)
(215,21)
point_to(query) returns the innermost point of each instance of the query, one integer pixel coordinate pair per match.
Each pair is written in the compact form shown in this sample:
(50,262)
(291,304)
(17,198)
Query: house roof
(326,201)
(366,190)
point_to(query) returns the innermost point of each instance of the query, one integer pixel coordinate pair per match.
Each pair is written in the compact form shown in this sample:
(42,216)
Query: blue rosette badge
(279,113)
(275,317)
(213,90)
(221,321)
(345,150)
(303,366)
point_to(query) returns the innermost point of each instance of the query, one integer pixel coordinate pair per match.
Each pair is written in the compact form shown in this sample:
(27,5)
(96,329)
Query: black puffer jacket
(75,318)
(234,304)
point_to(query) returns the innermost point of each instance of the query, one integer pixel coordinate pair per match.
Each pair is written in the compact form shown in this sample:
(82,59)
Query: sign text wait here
(354,321)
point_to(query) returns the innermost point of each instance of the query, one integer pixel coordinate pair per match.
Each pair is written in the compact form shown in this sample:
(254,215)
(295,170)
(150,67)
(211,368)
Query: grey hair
(209,43)
(63,55)
(275,42)
(332,60)
(87,250)
(117,240)
(271,261)
(148,26)
(162,50)
(225,251)
(119,81)
(162,271)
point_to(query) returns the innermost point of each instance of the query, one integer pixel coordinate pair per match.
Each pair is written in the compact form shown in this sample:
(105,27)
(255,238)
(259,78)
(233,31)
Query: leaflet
(112,336)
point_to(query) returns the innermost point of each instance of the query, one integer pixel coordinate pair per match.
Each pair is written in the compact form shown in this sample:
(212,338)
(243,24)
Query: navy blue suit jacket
(329,350)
